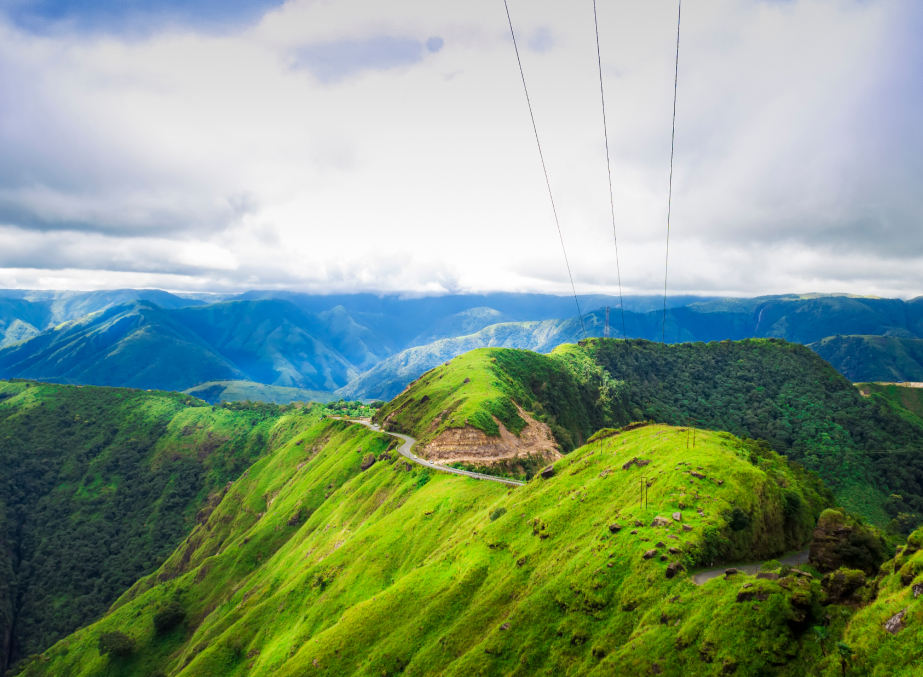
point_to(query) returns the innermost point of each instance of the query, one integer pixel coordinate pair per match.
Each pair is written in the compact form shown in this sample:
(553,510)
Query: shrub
(169,617)
(497,514)
(738,520)
(116,644)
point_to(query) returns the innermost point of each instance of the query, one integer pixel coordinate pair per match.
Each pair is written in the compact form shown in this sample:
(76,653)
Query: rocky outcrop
(840,540)
(472,445)
(896,623)
(841,585)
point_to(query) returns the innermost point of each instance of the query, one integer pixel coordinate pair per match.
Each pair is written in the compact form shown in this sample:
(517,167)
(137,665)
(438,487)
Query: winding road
(405,451)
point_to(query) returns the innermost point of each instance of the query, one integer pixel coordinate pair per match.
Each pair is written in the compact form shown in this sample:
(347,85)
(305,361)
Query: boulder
(730,572)
(615,527)
(634,532)
(674,568)
(917,590)
(896,623)
(674,551)
(697,475)
(639,523)
(635,462)
(660,544)
(686,527)
(677,517)
(660,522)
(750,595)
(649,554)
(368,461)
(548,472)
(664,558)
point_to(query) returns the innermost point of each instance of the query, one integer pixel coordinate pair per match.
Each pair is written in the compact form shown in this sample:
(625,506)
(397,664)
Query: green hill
(98,486)
(310,564)
(873,358)
(761,389)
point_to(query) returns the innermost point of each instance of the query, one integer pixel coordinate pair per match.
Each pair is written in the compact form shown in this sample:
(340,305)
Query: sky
(350,145)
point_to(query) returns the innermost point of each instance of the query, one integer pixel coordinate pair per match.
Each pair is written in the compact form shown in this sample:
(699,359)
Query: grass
(309,564)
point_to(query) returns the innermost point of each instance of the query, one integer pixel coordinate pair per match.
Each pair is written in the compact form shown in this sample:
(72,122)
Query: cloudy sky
(359,145)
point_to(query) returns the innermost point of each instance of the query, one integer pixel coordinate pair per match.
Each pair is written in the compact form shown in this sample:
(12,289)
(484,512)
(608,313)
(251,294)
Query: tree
(846,653)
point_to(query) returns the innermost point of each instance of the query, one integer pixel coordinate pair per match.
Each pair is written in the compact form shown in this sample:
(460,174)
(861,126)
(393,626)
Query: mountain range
(370,347)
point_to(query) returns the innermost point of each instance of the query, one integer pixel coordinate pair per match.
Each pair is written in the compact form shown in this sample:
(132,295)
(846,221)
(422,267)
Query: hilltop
(764,389)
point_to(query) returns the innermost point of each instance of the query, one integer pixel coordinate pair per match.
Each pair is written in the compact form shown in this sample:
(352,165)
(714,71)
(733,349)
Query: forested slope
(98,485)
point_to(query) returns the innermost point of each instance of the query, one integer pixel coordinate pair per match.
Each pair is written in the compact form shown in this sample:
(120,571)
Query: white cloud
(360,145)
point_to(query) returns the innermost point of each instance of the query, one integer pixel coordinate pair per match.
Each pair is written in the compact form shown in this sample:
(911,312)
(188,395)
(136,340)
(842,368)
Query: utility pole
(606,330)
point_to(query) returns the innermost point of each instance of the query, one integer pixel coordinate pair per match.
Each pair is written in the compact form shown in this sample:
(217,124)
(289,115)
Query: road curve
(794,559)
(405,451)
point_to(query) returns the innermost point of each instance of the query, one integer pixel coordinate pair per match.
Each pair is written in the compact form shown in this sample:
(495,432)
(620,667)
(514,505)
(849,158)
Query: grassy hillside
(873,358)
(311,565)
(761,389)
(97,487)
(215,392)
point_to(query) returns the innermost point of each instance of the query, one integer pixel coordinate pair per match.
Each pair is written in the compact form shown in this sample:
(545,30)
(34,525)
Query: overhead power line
(666,266)
(602,96)
(544,169)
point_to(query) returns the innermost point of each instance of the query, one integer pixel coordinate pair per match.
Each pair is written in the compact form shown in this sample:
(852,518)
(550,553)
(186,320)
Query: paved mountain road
(405,451)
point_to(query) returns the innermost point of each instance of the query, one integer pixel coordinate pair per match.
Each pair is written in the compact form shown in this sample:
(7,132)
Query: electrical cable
(666,266)
(544,169)
(615,239)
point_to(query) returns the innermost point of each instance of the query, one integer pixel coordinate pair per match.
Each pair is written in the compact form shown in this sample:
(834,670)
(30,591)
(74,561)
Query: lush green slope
(97,486)
(311,565)
(763,389)
(873,358)
(909,398)
(215,392)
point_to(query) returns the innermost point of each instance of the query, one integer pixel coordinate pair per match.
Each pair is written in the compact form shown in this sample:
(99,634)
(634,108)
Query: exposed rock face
(472,445)
(896,623)
(841,541)
(548,472)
